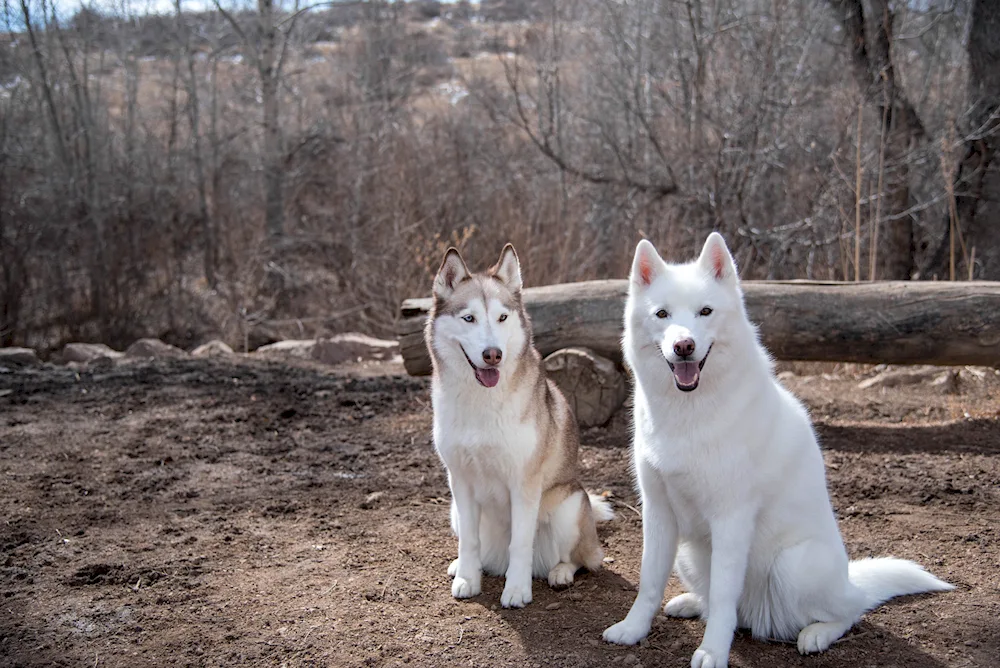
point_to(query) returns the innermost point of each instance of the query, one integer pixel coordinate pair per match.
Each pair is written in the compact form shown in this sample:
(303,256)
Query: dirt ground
(238,512)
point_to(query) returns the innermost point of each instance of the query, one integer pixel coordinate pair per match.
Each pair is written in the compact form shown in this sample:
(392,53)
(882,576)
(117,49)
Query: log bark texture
(895,322)
(592,384)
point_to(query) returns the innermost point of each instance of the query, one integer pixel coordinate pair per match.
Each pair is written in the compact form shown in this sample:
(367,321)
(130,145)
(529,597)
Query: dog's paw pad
(685,606)
(624,633)
(562,574)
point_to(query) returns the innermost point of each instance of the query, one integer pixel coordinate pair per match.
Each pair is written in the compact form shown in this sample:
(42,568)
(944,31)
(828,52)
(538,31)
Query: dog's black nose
(492,356)
(684,348)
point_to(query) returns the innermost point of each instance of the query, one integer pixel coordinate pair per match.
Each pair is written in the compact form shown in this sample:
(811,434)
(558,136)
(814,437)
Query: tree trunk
(871,63)
(917,323)
(977,180)
(194,122)
(274,207)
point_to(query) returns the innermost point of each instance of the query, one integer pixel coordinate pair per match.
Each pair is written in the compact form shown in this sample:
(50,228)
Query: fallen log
(896,322)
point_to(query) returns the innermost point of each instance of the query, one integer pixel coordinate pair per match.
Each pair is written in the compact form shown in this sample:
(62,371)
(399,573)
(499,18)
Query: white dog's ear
(508,268)
(646,265)
(716,259)
(452,272)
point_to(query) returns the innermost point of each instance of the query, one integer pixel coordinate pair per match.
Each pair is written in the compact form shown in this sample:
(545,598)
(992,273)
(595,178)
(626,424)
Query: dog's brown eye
(503,317)
(662,313)
(705,311)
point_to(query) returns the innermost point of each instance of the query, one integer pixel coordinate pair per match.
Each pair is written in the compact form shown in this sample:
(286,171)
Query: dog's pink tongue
(488,377)
(686,373)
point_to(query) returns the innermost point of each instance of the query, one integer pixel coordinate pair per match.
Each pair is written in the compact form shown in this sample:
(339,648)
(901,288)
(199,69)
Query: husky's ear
(508,268)
(646,265)
(716,259)
(452,272)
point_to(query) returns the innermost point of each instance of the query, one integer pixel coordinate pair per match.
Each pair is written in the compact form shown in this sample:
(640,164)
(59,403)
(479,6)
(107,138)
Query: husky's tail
(885,577)
(601,508)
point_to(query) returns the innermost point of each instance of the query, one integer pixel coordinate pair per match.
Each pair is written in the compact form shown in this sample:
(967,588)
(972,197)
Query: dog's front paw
(625,633)
(516,595)
(466,587)
(707,658)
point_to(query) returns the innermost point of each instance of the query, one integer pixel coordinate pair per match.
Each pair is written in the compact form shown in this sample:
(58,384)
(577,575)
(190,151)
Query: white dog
(508,438)
(731,476)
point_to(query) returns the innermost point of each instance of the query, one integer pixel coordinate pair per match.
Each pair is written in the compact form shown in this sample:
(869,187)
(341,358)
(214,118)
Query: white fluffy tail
(883,578)
(601,508)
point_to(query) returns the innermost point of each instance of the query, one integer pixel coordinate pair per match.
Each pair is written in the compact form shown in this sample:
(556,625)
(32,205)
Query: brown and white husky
(507,437)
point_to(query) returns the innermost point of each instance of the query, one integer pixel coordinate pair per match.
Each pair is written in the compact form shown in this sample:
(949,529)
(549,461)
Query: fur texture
(732,480)
(507,437)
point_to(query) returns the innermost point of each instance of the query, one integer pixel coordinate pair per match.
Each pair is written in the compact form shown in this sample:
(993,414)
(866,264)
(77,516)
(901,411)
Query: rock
(593,385)
(299,348)
(947,381)
(553,606)
(19,356)
(900,377)
(372,500)
(353,348)
(214,348)
(153,348)
(83,353)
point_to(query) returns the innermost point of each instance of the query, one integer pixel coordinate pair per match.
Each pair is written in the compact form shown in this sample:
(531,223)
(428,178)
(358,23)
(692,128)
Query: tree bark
(210,260)
(898,322)
(274,208)
(871,63)
(977,180)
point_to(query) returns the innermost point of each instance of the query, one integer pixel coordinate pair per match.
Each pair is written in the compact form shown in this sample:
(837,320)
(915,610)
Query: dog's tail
(601,508)
(885,577)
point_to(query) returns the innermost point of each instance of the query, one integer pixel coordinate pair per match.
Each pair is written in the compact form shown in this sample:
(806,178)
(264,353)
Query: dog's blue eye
(705,311)
(469,318)
(503,317)
(662,313)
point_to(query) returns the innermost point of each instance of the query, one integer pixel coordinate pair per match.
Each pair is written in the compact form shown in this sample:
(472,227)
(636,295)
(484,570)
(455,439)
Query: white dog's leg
(731,540)
(659,547)
(468,571)
(524,505)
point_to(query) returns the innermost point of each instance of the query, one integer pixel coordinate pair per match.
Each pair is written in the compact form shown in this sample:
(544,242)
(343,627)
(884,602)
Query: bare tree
(869,39)
(267,47)
(973,228)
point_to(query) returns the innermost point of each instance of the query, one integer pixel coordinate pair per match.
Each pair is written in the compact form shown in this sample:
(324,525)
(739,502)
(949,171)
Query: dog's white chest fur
(486,443)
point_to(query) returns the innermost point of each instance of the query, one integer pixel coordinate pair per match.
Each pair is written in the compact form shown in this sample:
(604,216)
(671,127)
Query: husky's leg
(659,547)
(731,540)
(468,570)
(453,566)
(693,566)
(570,543)
(524,506)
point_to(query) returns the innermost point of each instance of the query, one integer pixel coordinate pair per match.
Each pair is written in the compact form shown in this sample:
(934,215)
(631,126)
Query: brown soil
(245,513)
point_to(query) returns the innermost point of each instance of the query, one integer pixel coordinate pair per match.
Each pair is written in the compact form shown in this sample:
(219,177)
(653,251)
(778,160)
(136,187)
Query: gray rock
(153,348)
(353,347)
(82,353)
(214,348)
(19,356)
